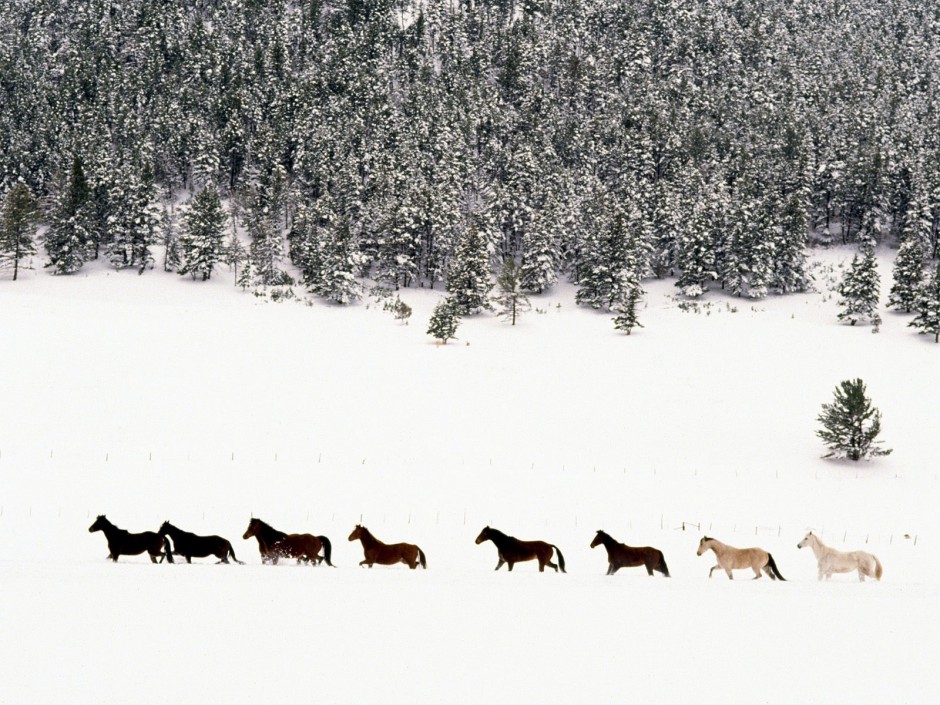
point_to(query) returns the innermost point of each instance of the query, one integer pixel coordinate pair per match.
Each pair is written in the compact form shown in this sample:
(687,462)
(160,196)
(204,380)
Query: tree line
(428,143)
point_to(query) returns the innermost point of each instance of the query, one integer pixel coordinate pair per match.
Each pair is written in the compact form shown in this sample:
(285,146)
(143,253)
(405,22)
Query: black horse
(512,550)
(619,555)
(124,543)
(192,546)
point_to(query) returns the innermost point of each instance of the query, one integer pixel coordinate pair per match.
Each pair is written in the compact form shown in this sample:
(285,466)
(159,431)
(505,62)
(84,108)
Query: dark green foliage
(511,301)
(850,423)
(859,288)
(444,320)
(17,227)
(928,307)
(72,223)
(201,242)
(468,276)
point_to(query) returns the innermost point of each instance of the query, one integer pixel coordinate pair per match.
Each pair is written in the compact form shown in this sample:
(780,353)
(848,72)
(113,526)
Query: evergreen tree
(850,423)
(132,221)
(911,261)
(510,299)
(340,263)
(169,236)
(17,226)
(859,288)
(468,276)
(72,227)
(444,320)
(201,242)
(236,255)
(928,307)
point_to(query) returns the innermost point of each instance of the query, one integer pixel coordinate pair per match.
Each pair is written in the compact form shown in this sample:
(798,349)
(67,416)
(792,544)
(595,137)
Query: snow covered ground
(154,397)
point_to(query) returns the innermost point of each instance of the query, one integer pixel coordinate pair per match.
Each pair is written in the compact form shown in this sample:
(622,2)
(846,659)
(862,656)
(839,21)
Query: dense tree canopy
(729,129)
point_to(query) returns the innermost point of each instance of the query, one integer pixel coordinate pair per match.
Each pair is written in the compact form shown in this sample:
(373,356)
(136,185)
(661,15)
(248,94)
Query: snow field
(152,398)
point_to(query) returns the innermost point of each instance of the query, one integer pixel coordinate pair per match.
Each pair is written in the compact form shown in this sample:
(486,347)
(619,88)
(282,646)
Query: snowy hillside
(157,397)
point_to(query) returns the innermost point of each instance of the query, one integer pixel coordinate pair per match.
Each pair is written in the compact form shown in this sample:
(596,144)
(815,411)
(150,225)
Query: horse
(274,545)
(124,543)
(731,558)
(831,561)
(620,555)
(387,553)
(512,550)
(190,545)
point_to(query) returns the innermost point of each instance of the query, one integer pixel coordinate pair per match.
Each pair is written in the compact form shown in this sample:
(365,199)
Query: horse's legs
(500,564)
(730,574)
(649,569)
(861,575)
(757,575)
(511,564)
(612,568)
(551,565)
(713,569)
(153,558)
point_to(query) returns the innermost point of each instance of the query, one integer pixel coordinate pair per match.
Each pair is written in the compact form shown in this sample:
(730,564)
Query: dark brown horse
(192,546)
(124,543)
(274,545)
(619,555)
(387,553)
(512,550)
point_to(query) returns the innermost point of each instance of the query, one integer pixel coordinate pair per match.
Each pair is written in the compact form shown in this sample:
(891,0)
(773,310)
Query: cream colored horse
(731,558)
(832,561)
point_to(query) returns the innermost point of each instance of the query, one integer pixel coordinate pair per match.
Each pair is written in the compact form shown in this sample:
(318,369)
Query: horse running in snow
(387,553)
(830,561)
(124,543)
(731,558)
(619,555)
(512,550)
(193,546)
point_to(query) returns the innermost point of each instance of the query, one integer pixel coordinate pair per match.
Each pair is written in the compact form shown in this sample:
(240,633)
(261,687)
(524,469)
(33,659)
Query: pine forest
(407,143)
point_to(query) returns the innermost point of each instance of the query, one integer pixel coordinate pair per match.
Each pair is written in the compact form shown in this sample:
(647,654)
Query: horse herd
(273,545)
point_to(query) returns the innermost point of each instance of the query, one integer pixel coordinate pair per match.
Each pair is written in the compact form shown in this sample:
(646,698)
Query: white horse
(731,558)
(832,561)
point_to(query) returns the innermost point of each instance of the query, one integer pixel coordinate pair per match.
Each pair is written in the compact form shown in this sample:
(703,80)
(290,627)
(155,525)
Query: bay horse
(387,553)
(192,546)
(830,561)
(274,545)
(511,550)
(731,558)
(619,555)
(124,543)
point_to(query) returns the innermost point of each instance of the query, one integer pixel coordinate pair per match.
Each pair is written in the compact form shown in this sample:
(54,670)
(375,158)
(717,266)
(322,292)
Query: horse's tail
(231,552)
(166,550)
(878,569)
(422,559)
(773,568)
(327,550)
(662,564)
(561,558)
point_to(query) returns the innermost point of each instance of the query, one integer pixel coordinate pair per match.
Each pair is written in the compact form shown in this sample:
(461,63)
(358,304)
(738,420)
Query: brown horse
(387,553)
(620,555)
(124,543)
(512,550)
(274,545)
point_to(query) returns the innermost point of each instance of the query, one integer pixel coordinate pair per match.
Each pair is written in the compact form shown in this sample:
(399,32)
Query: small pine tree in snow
(928,307)
(626,318)
(911,261)
(170,237)
(510,299)
(850,423)
(236,255)
(444,320)
(538,270)
(201,242)
(17,223)
(860,286)
(399,309)
(468,276)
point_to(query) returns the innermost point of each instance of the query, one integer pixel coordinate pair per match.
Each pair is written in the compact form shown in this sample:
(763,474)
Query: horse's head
(484,535)
(99,524)
(808,540)
(165,528)
(703,545)
(254,526)
(599,538)
(356,533)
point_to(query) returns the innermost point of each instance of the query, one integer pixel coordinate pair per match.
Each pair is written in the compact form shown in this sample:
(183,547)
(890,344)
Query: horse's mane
(497,533)
(272,533)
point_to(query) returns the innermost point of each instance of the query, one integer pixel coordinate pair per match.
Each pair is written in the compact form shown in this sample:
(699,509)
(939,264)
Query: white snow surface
(155,397)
